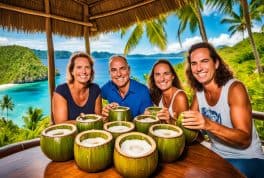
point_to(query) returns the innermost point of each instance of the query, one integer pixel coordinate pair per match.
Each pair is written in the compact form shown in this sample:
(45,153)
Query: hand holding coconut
(107,108)
(194,120)
(164,115)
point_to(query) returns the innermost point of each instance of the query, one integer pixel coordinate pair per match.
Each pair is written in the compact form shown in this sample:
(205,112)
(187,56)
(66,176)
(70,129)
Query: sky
(217,34)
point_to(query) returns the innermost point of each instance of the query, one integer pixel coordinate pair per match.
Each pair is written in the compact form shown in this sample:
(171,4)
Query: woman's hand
(164,115)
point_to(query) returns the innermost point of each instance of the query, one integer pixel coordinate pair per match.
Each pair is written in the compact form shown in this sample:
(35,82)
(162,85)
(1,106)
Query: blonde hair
(71,64)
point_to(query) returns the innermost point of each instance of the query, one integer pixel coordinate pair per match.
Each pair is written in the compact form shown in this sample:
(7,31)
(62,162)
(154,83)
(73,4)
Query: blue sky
(217,34)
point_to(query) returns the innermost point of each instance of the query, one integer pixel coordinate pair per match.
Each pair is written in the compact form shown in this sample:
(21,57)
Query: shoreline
(6,86)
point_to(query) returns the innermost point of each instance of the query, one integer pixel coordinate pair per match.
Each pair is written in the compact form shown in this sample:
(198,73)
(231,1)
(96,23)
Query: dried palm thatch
(69,17)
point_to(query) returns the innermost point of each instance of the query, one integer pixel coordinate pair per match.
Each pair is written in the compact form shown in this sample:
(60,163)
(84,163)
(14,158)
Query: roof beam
(42,14)
(121,10)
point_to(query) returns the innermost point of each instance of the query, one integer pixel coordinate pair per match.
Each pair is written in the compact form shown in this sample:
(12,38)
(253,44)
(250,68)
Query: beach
(6,86)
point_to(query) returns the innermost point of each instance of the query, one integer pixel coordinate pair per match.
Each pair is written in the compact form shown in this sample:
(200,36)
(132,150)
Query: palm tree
(33,116)
(237,21)
(155,32)
(191,14)
(7,103)
(226,7)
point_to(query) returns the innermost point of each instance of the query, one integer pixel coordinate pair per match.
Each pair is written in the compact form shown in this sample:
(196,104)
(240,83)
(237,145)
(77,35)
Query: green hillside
(19,65)
(241,60)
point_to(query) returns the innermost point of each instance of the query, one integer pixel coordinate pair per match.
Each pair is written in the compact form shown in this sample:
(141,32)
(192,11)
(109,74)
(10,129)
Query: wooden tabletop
(197,161)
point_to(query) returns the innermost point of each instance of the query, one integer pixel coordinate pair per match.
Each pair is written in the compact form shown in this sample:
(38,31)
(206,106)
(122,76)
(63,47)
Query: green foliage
(11,133)
(6,103)
(19,64)
(27,134)
(33,116)
(155,32)
(8,131)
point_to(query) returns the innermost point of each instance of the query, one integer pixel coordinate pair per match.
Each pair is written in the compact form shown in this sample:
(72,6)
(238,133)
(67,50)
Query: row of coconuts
(96,145)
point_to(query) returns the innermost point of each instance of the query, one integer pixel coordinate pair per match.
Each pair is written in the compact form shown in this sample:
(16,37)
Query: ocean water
(37,95)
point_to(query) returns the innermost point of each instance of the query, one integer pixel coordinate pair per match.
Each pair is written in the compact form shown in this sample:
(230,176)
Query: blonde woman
(78,94)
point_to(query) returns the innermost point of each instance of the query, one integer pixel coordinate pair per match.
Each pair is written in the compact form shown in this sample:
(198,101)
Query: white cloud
(225,39)
(31,43)
(112,42)
(3,41)
(175,47)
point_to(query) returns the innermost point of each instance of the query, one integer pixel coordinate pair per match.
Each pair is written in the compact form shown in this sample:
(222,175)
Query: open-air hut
(78,18)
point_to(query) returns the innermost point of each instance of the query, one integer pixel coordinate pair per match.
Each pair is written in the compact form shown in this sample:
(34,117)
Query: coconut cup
(143,122)
(93,150)
(57,141)
(154,110)
(142,164)
(117,128)
(120,113)
(170,141)
(190,135)
(88,122)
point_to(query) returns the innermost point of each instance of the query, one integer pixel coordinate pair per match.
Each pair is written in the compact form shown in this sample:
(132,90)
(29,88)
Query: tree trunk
(198,14)
(244,5)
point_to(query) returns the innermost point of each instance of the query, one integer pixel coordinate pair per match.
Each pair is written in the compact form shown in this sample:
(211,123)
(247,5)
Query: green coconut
(89,121)
(57,141)
(190,135)
(135,166)
(95,156)
(120,113)
(170,142)
(109,126)
(142,124)
(154,110)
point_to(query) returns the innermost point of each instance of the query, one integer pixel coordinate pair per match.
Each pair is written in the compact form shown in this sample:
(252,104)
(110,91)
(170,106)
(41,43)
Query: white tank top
(220,114)
(171,103)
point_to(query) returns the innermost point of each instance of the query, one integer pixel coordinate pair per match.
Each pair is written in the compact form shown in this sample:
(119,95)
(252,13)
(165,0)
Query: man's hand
(106,109)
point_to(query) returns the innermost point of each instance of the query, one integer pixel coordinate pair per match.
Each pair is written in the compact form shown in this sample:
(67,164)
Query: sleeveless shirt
(73,109)
(171,103)
(220,113)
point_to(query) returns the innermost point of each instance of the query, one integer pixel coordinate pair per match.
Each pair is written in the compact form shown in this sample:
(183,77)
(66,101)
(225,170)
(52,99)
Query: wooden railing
(16,147)
(258,115)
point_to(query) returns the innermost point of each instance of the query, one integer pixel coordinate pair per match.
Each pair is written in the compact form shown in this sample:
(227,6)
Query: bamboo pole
(51,64)
(86,30)
(121,10)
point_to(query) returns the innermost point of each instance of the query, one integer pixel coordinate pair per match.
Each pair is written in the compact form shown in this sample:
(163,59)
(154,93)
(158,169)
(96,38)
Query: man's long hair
(223,73)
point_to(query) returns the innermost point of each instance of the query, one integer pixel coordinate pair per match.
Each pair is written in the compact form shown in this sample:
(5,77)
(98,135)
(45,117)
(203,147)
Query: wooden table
(197,161)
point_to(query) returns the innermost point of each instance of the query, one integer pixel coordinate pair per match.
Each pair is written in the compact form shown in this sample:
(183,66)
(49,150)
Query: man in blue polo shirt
(122,90)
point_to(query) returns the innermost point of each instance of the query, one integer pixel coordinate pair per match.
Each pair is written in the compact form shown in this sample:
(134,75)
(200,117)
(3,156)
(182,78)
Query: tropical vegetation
(155,32)
(6,104)
(226,6)
(19,64)
(11,133)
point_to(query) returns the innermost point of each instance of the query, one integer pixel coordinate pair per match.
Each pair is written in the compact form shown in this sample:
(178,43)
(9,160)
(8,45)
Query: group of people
(220,105)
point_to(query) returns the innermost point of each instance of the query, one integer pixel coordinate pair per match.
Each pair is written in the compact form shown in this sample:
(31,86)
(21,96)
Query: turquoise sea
(37,95)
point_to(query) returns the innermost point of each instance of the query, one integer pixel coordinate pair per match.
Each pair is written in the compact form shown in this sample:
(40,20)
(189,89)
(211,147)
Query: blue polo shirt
(137,97)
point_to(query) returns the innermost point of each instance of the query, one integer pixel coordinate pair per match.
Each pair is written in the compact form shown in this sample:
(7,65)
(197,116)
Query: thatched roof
(69,17)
